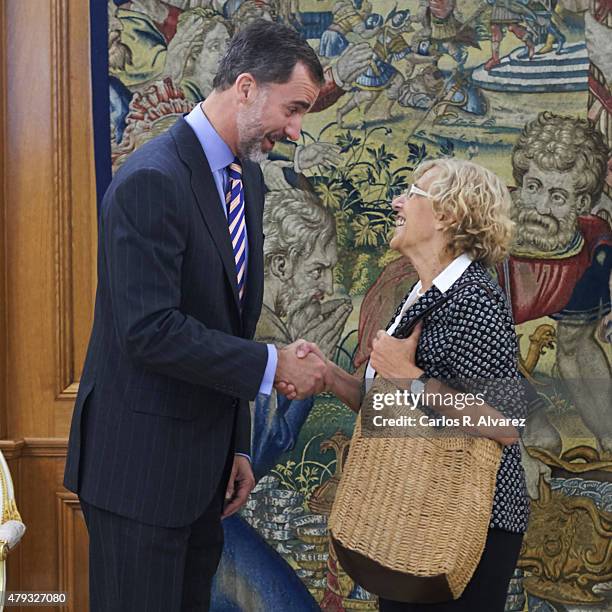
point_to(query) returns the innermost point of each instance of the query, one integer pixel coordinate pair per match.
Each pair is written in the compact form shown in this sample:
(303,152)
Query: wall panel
(47,276)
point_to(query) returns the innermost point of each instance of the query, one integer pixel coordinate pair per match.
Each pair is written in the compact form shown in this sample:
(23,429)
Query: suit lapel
(205,190)
(253,214)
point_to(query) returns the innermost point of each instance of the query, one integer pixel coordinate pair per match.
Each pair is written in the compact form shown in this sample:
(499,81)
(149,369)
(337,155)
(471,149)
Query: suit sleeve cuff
(270,371)
(245,455)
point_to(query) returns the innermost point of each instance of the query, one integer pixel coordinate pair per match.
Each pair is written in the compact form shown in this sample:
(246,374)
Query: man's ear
(245,87)
(279,267)
(584,204)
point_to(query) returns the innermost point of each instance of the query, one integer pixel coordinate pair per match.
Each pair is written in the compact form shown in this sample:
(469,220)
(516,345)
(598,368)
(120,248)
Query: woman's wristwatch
(417,386)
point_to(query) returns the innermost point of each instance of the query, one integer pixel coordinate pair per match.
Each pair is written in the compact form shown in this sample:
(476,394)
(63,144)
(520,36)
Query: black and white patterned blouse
(472,337)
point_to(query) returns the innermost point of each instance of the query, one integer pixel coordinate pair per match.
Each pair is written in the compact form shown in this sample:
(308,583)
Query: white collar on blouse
(443,281)
(450,274)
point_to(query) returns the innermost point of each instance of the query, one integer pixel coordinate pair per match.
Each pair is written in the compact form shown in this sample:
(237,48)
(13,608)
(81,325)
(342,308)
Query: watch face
(417,386)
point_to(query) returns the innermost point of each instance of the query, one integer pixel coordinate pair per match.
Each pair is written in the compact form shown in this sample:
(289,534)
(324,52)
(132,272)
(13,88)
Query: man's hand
(302,349)
(240,484)
(307,375)
(353,62)
(395,359)
(317,153)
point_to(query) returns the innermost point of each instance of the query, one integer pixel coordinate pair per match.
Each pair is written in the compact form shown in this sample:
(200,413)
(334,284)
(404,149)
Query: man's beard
(299,319)
(251,132)
(119,54)
(298,310)
(543,232)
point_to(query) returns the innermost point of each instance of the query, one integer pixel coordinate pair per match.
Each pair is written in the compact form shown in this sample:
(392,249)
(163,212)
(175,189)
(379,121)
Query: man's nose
(543,205)
(294,127)
(327,281)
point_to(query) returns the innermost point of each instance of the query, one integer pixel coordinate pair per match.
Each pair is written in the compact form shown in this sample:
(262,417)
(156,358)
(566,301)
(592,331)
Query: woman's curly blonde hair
(475,207)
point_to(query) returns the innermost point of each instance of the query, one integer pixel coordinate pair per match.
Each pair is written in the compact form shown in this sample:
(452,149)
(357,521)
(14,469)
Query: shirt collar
(218,154)
(451,274)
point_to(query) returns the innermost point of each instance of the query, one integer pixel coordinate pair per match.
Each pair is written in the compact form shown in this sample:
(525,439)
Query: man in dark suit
(160,435)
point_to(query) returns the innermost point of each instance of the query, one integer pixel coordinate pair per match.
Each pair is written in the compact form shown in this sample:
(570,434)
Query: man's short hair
(563,144)
(269,51)
(294,221)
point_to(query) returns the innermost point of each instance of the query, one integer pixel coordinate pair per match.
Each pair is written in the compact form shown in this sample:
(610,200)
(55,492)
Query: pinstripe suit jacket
(171,364)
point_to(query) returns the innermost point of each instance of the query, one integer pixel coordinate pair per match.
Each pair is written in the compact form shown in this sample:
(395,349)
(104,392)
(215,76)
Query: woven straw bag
(411,514)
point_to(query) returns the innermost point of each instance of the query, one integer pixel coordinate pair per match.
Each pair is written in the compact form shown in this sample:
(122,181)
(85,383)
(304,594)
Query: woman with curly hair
(452,224)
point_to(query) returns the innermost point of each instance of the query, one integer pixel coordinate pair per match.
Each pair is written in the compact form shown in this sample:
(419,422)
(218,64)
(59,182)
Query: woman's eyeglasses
(414,190)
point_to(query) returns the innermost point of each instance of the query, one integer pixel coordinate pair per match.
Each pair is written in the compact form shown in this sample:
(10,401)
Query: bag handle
(407,330)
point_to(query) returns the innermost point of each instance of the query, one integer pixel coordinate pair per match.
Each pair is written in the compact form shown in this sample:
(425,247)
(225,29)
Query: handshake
(302,370)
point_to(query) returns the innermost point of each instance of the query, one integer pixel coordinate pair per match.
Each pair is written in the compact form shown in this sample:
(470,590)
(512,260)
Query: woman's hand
(395,359)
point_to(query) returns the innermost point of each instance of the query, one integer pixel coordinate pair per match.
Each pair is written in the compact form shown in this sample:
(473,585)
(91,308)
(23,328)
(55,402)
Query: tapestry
(522,87)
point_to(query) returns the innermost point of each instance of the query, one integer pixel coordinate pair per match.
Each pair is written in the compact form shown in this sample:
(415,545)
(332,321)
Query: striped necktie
(236,221)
